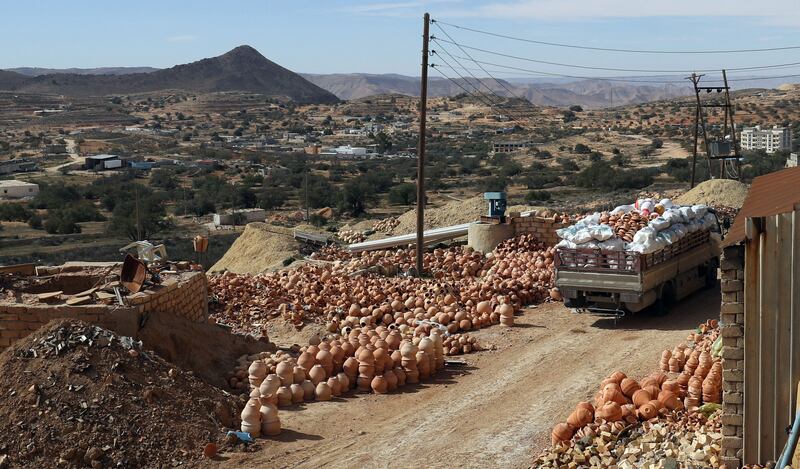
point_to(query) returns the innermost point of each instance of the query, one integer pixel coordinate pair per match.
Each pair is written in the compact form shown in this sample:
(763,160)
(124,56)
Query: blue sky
(384,37)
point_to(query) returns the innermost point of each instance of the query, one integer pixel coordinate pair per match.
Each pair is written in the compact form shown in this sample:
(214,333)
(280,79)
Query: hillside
(36,71)
(588,93)
(241,69)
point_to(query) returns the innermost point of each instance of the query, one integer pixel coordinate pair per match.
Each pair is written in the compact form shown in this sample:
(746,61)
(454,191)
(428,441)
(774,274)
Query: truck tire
(665,300)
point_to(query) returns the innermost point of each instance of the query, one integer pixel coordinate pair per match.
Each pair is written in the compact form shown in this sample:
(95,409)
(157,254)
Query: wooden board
(24,269)
(78,300)
(49,295)
(784,384)
(751,335)
(768,304)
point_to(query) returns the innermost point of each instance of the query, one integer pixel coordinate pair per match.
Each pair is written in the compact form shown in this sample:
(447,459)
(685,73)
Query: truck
(616,283)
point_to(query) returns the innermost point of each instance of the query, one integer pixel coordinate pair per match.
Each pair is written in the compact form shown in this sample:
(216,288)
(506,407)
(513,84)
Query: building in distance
(769,140)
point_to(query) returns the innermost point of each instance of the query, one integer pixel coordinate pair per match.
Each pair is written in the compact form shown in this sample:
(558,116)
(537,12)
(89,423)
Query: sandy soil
(496,411)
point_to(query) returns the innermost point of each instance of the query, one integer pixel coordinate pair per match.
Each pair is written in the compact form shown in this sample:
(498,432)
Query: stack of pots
(506,313)
(251,418)
(712,384)
(408,353)
(666,356)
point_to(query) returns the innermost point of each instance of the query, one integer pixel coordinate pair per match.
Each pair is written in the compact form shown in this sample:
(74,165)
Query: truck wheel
(665,301)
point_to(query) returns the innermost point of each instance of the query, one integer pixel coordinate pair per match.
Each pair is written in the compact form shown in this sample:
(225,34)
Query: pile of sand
(261,247)
(452,213)
(725,192)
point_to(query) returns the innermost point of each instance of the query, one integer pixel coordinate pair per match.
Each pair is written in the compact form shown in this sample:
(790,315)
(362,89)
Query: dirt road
(74,157)
(495,412)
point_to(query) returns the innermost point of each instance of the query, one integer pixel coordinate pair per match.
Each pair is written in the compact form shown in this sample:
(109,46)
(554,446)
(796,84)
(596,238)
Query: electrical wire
(608,69)
(610,49)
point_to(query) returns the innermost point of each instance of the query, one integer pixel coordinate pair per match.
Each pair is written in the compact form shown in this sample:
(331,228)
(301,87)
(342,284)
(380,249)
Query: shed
(103,161)
(13,189)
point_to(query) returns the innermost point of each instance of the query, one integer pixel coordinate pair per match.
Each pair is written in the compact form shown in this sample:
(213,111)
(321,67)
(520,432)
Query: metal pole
(423,104)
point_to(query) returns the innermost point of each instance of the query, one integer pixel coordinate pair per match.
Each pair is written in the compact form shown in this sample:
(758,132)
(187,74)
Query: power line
(609,49)
(479,65)
(608,69)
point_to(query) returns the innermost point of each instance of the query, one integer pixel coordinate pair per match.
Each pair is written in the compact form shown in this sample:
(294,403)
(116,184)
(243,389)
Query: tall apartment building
(771,140)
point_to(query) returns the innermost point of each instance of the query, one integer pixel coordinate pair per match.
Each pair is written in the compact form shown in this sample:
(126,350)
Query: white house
(770,140)
(13,189)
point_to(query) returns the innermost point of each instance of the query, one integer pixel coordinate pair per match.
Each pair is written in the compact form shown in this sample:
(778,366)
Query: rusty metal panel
(770,194)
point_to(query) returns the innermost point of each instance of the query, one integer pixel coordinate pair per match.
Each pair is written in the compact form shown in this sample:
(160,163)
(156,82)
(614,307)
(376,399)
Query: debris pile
(457,344)
(466,290)
(678,440)
(693,377)
(79,395)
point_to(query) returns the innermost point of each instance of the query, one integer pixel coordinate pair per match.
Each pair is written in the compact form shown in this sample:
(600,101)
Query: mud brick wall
(732,331)
(187,298)
(543,228)
(18,320)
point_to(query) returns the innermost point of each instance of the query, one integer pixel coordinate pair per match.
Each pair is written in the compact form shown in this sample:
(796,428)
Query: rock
(4,461)
(93,454)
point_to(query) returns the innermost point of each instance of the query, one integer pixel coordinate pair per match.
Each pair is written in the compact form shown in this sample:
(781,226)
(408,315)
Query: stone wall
(543,228)
(732,331)
(186,297)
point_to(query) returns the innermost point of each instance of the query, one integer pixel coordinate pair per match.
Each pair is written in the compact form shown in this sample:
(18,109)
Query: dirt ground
(497,410)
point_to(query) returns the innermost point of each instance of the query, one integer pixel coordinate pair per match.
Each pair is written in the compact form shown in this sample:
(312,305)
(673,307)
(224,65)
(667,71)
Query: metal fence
(771,333)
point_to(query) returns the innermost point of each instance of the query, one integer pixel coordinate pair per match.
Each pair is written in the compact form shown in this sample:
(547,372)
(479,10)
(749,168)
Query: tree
(576,108)
(569,116)
(164,178)
(139,221)
(272,198)
(403,194)
(356,195)
(582,149)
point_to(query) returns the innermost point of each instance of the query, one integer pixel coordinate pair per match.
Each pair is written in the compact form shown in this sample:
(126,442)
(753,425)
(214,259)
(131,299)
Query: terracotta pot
(562,432)
(391,380)
(306,360)
(401,376)
(270,385)
(284,396)
(344,381)
(323,391)
(285,372)
(317,374)
(611,411)
(629,386)
(254,429)
(308,390)
(647,411)
(297,393)
(580,417)
(335,385)
(251,412)
(617,377)
(641,397)
(379,384)
(271,428)
(585,405)
(298,375)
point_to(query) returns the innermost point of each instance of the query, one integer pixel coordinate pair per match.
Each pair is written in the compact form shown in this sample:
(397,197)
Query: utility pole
(305,183)
(138,222)
(423,108)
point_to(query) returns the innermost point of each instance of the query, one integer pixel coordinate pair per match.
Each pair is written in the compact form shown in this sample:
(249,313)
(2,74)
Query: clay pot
(317,374)
(617,377)
(344,381)
(271,428)
(306,361)
(391,380)
(297,393)
(580,417)
(258,369)
(298,375)
(269,413)
(641,397)
(350,368)
(379,385)
(308,390)
(401,376)
(585,405)
(251,412)
(285,372)
(611,411)
(284,396)
(270,385)
(323,391)
(254,429)
(647,411)
(629,386)
(562,432)
(325,358)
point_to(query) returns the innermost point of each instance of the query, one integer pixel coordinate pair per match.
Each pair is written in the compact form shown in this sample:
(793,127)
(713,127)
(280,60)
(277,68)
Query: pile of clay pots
(345,291)
(625,225)
(387,225)
(351,236)
(378,360)
(622,400)
(260,414)
(457,344)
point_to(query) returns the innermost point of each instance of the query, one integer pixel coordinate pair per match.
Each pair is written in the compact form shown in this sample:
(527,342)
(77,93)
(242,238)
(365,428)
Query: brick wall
(187,298)
(732,331)
(543,228)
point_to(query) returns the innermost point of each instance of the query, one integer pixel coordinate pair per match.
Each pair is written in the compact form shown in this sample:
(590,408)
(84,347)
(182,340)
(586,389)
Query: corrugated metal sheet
(770,194)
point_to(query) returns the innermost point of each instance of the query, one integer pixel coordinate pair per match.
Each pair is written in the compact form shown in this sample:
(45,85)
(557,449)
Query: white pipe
(438,234)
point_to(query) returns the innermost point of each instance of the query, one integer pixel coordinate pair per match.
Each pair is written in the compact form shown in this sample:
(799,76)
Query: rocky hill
(587,93)
(241,69)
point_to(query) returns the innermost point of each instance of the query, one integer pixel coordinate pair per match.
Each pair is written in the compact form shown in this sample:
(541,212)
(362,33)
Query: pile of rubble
(344,289)
(77,395)
(623,408)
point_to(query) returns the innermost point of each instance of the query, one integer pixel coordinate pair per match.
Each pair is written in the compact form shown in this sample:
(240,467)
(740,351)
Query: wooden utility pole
(423,108)
(695,79)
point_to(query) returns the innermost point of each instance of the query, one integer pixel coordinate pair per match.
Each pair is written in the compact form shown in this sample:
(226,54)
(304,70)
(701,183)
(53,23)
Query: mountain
(241,69)
(36,71)
(548,92)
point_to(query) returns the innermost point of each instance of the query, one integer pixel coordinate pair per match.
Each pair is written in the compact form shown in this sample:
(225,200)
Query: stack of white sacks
(668,223)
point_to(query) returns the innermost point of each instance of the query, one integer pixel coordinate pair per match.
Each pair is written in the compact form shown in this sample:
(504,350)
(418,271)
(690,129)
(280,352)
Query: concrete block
(732,353)
(733,375)
(732,419)
(731,308)
(731,442)
(731,330)
(733,398)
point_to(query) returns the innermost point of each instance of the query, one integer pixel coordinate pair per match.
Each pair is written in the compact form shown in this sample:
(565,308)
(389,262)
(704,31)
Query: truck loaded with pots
(635,256)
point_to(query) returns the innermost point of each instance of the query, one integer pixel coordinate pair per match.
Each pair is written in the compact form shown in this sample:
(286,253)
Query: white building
(13,189)
(350,151)
(770,140)
(791,162)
